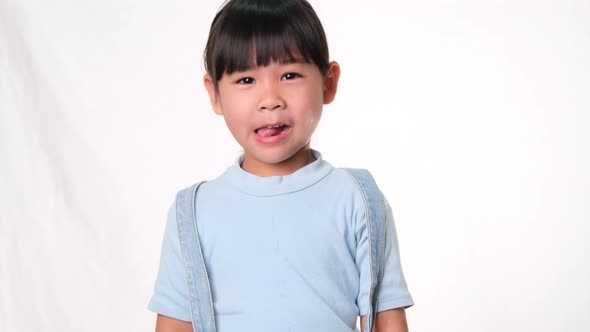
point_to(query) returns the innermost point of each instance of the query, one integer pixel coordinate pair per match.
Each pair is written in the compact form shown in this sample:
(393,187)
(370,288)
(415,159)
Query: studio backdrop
(473,116)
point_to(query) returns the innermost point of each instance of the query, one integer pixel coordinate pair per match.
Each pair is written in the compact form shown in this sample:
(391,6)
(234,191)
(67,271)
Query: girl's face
(272,112)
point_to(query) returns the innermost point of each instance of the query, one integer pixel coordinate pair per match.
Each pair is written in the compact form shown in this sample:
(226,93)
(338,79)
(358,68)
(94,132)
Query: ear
(213,94)
(331,82)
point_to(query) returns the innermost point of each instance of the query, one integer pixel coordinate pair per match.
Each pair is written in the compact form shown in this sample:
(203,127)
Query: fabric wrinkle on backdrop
(75,231)
(56,187)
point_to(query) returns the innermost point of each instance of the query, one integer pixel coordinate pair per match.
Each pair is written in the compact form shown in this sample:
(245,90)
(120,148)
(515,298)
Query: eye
(290,76)
(245,80)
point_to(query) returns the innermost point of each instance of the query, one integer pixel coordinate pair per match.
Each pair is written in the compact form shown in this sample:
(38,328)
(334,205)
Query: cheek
(311,124)
(234,122)
(232,113)
(310,118)
(314,109)
(313,119)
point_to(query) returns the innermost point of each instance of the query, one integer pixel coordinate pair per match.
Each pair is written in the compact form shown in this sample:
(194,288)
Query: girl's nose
(270,98)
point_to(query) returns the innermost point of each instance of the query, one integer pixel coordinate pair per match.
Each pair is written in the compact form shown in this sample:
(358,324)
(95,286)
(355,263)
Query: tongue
(266,132)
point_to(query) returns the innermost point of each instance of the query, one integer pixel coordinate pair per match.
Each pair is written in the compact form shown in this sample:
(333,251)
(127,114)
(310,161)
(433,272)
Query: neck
(300,159)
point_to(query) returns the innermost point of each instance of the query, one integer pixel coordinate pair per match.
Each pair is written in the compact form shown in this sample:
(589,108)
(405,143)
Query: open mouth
(271,130)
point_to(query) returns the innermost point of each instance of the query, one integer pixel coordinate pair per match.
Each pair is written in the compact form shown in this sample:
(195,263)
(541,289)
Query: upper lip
(271,125)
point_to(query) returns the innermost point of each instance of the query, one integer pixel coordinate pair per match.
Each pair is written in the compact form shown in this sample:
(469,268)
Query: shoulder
(191,188)
(359,180)
(186,196)
(200,187)
(348,174)
(359,186)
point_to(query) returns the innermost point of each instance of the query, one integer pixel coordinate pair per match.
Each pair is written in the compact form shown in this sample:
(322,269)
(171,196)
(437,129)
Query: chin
(274,158)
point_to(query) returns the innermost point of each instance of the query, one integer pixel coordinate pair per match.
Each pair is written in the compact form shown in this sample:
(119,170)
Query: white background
(472,115)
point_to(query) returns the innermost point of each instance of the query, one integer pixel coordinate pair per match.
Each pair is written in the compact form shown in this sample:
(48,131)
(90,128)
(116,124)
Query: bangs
(256,33)
(242,53)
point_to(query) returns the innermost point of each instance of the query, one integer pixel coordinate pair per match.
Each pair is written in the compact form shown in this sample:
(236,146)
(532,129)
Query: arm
(393,320)
(167,324)
(171,295)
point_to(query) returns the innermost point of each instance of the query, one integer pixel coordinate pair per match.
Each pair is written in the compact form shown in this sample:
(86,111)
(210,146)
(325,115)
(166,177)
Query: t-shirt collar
(281,184)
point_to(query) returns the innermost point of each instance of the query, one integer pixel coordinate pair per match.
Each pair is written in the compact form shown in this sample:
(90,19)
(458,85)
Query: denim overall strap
(200,300)
(375,218)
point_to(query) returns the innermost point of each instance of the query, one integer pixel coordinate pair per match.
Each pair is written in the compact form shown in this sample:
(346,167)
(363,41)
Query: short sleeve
(170,296)
(393,292)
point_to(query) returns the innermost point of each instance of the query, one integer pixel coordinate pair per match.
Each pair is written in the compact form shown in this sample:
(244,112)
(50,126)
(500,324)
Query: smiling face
(272,112)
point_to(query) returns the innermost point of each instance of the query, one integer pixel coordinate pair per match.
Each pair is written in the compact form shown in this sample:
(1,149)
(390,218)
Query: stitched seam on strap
(369,237)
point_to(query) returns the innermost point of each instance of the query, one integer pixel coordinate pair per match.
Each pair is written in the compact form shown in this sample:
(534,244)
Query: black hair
(249,33)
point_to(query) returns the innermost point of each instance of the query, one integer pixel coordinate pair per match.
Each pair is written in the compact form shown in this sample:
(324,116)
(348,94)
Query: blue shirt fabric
(283,253)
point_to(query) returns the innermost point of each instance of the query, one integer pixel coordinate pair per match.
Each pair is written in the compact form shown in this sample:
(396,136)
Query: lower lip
(273,139)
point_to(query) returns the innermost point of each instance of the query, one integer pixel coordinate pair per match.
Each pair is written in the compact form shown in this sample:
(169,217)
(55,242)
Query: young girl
(285,241)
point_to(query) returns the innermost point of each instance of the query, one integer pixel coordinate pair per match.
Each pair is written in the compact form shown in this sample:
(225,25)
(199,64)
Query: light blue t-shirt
(283,253)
